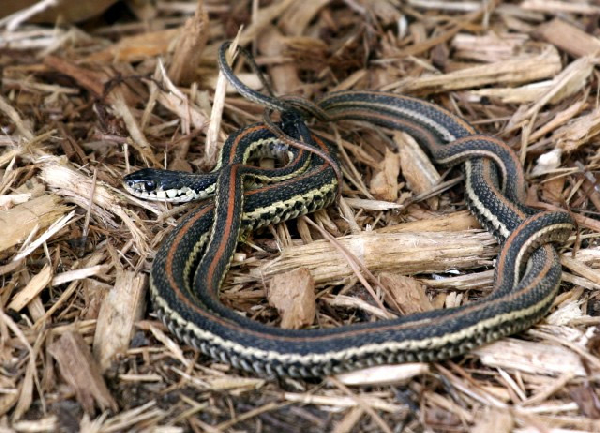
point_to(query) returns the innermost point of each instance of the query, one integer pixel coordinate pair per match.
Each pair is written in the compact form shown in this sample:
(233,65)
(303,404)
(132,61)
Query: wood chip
(349,421)
(570,81)
(232,382)
(137,47)
(122,307)
(384,184)
(32,289)
(406,293)
(80,371)
(293,294)
(569,38)
(297,17)
(528,357)
(173,99)
(285,77)
(560,7)
(546,65)
(94,80)
(69,11)
(20,222)
(578,133)
(454,221)
(192,41)
(405,253)
(494,419)
(420,174)
(587,399)
(68,181)
(375,402)
(384,374)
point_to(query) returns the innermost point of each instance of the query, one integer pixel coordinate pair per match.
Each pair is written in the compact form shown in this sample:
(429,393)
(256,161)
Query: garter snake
(190,265)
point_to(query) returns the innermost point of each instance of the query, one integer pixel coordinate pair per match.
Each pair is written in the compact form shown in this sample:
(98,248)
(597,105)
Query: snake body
(191,264)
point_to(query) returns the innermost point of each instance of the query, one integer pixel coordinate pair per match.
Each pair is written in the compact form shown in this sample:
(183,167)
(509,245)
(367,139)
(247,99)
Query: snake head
(168,185)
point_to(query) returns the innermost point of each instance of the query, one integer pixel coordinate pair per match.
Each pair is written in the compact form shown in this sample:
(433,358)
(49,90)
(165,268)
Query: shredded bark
(92,91)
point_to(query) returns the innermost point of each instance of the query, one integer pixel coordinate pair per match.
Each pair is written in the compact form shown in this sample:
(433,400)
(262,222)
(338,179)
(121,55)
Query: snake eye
(150,185)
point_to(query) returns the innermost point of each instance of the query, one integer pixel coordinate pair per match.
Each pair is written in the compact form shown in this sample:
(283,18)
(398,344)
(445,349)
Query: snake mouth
(140,189)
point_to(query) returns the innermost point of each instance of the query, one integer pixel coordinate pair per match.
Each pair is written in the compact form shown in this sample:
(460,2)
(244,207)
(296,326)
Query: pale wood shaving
(175,100)
(527,357)
(53,229)
(293,294)
(20,222)
(579,132)
(559,119)
(296,18)
(138,47)
(341,401)
(400,252)
(349,421)
(262,20)
(546,64)
(359,304)
(69,182)
(420,174)
(560,6)
(450,6)
(405,294)
(231,382)
(22,127)
(80,371)
(384,184)
(217,109)
(569,38)
(138,138)
(78,274)
(570,80)
(491,47)
(284,75)
(368,204)
(121,308)
(494,419)
(192,41)
(32,289)
(384,375)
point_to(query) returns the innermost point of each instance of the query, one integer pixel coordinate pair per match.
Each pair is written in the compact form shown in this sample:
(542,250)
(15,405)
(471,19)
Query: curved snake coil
(191,264)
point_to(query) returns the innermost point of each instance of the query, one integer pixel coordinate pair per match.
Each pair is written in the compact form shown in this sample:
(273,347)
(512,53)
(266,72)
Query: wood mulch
(91,91)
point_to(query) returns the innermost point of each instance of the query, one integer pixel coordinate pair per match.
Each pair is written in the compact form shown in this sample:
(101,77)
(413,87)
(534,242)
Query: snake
(238,197)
